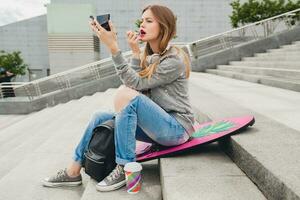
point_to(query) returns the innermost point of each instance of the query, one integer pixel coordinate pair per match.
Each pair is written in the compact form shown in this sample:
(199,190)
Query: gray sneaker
(62,179)
(114,181)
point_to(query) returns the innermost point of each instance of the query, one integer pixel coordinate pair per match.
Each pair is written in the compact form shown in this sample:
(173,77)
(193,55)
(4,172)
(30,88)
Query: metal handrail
(34,89)
(246,26)
(225,40)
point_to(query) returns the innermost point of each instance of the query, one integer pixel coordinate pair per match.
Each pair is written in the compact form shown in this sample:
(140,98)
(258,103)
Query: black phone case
(103,21)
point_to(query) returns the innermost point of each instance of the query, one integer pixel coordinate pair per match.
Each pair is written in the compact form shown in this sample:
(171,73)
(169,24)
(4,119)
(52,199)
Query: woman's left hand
(109,38)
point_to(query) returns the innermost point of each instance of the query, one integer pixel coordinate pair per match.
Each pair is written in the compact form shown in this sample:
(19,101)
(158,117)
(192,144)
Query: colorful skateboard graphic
(205,133)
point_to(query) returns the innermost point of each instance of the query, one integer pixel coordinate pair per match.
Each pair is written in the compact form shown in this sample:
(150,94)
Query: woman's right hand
(109,38)
(133,41)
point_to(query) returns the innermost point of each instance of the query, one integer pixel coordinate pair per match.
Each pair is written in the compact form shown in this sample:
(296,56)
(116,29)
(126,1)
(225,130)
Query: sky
(16,10)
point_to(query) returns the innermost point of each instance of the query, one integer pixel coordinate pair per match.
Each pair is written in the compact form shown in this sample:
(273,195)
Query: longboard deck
(204,133)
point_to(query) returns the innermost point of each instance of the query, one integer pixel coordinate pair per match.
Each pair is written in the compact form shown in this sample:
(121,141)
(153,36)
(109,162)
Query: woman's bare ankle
(72,173)
(74,169)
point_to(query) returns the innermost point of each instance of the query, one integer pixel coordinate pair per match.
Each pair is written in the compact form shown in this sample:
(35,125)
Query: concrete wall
(195,19)
(70,40)
(61,96)
(30,37)
(71,51)
(223,57)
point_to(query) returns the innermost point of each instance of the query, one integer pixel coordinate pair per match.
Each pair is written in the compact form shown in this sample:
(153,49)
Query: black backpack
(99,159)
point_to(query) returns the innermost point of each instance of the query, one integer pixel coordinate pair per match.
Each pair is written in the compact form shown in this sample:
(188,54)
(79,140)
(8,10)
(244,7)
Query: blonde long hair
(167,25)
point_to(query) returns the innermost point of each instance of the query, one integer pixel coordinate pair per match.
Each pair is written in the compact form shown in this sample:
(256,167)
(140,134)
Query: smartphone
(103,20)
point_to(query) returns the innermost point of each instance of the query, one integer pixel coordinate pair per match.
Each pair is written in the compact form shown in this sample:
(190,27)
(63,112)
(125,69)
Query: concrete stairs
(43,142)
(35,146)
(8,120)
(259,163)
(277,68)
(205,173)
(268,152)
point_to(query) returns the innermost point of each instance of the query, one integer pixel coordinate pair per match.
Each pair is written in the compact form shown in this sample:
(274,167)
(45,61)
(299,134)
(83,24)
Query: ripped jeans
(143,120)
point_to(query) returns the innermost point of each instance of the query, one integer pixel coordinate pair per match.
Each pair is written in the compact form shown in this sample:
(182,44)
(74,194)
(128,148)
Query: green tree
(13,62)
(292,6)
(256,10)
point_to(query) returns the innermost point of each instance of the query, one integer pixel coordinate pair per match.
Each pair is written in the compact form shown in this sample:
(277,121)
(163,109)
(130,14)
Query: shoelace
(115,173)
(59,175)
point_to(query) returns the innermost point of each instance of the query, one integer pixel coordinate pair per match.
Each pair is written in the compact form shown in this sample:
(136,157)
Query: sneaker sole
(111,188)
(68,184)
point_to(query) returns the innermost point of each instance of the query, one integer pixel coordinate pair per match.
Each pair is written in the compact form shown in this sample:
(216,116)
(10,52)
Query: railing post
(27,91)
(254,32)
(60,82)
(67,81)
(229,41)
(94,70)
(96,67)
(223,42)
(1,94)
(37,89)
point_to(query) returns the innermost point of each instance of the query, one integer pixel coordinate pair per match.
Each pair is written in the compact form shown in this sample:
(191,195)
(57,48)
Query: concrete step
(8,120)
(56,151)
(274,54)
(25,179)
(296,42)
(227,173)
(265,80)
(291,46)
(16,134)
(287,50)
(13,136)
(276,72)
(151,188)
(268,64)
(31,168)
(23,146)
(205,173)
(267,152)
(273,58)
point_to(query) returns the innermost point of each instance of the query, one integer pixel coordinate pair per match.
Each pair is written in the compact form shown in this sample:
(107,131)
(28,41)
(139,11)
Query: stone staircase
(260,163)
(42,142)
(268,152)
(37,145)
(277,67)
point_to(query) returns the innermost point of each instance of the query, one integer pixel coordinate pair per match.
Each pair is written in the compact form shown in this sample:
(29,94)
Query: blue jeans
(143,120)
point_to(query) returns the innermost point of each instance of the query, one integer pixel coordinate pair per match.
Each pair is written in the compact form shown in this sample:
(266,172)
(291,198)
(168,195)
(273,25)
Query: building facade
(62,39)
(30,37)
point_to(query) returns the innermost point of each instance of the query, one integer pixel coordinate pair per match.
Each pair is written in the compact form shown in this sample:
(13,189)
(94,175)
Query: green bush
(256,10)
(13,62)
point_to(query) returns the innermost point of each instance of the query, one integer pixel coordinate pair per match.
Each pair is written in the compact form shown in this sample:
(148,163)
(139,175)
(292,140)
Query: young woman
(152,105)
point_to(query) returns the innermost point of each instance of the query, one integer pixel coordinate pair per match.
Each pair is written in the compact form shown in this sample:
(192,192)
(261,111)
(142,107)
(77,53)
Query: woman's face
(149,29)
